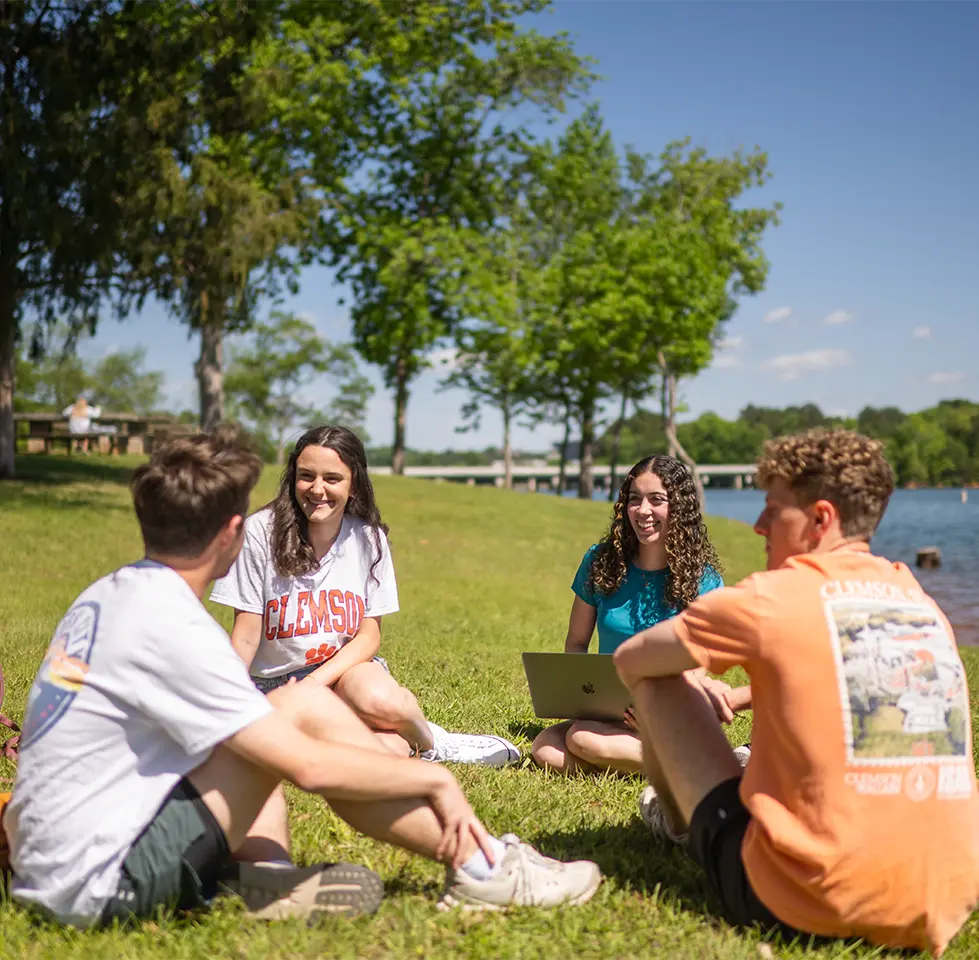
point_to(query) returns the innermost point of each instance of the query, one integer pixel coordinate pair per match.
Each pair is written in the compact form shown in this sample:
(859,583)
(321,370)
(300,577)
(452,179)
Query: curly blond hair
(841,466)
(689,551)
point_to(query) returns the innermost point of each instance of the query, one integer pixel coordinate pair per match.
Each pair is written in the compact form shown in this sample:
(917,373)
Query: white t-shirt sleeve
(382,598)
(199,706)
(243,587)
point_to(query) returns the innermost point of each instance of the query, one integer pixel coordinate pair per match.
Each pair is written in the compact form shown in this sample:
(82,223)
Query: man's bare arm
(656,652)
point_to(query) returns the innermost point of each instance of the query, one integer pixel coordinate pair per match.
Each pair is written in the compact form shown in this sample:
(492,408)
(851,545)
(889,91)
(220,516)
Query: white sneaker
(524,878)
(743,754)
(484,750)
(651,811)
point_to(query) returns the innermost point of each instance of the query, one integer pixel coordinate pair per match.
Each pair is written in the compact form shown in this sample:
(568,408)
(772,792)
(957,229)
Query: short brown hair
(191,487)
(841,466)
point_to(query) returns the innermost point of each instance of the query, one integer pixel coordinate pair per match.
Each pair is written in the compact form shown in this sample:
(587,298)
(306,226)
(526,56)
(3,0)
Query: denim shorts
(268,684)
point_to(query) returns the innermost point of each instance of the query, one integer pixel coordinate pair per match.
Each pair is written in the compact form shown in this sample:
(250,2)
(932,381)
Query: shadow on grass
(526,728)
(663,872)
(53,470)
(637,862)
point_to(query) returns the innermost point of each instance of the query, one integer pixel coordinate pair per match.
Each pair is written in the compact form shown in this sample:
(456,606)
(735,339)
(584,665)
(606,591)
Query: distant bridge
(546,475)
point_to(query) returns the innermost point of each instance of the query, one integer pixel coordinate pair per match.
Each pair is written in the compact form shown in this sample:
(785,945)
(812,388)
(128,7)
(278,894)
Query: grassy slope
(483,575)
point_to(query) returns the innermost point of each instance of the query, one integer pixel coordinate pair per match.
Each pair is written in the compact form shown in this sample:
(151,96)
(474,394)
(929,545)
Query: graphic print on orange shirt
(336,612)
(904,696)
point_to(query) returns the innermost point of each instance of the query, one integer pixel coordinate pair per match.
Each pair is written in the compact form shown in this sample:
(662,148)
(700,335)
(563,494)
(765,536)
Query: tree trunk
(7,366)
(9,255)
(400,412)
(562,475)
(507,451)
(616,438)
(210,365)
(669,426)
(586,479)
(668,405)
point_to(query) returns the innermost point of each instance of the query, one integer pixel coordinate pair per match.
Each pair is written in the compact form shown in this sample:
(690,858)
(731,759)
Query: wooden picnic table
(132,432)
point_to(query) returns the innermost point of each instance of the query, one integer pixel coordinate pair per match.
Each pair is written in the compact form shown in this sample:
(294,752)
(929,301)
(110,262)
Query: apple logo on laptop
(588,687)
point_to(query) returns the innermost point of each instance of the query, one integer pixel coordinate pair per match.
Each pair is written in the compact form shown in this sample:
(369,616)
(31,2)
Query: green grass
(483,575)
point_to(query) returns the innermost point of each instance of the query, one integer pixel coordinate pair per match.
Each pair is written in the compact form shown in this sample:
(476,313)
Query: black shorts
(717,829)
(176,862)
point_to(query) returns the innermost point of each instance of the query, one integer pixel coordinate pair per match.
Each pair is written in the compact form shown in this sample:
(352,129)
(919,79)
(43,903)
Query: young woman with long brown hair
(310,586)
(655,559)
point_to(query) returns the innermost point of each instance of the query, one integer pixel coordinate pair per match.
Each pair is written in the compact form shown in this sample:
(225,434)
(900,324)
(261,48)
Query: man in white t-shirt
(149,761)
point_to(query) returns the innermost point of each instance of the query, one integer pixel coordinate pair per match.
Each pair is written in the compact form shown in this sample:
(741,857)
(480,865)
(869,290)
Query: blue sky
(869,113)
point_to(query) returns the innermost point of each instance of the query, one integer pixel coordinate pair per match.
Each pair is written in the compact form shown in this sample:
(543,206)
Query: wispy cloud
(789,366)
(921,333)
(725,361)
(777,315)
(944,378)
(730,343)
(837,317)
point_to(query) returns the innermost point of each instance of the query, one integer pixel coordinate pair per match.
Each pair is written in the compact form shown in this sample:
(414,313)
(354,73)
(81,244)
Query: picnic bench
(129,433)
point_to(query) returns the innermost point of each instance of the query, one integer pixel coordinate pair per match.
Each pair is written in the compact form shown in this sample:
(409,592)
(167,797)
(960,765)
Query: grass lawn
(483,575)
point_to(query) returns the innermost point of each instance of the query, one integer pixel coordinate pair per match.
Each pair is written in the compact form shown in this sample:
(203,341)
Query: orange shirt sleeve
(722,629)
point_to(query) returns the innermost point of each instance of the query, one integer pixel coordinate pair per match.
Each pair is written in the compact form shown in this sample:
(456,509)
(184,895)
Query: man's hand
(716,692)
(458,820)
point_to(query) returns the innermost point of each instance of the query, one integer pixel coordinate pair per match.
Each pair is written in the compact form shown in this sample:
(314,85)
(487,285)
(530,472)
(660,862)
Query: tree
(59,376)
(692,253)
(440,165)
(118,382)
(275,363)
(575,323)
(60,170)
(218,205)
(495,356)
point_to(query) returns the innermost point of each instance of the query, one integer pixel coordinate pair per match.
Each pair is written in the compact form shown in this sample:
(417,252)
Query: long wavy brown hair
(689,550)
(292,553)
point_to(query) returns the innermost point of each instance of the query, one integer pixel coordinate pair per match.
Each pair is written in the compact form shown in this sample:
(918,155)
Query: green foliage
(934,447)
(273,364)
(61,171)
(440,163)
(579,320)
(118,382)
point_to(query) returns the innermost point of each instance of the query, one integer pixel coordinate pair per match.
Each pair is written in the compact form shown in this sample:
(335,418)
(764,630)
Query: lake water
(914,519)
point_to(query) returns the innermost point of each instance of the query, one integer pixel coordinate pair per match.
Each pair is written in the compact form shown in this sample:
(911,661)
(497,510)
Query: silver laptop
(575,686)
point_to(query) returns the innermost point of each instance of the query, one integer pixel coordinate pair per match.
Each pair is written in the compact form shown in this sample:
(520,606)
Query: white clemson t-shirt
(307,619)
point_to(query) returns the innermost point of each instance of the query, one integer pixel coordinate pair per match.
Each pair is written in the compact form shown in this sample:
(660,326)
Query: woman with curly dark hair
(310,586)
(655,560)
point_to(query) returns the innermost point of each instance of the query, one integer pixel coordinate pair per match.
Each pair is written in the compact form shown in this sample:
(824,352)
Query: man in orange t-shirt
(858,812)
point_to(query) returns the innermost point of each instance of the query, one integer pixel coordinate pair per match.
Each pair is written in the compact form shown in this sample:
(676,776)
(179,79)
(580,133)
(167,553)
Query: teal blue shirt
(637,604)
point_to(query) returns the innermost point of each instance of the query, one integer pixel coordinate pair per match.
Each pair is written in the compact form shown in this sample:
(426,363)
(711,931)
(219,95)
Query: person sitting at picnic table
(80,415)
(853,817)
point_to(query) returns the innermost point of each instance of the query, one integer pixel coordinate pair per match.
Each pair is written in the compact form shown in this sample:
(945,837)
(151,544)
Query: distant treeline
(933,447)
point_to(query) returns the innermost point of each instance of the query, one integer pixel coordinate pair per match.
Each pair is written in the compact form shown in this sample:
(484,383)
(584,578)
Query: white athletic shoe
(651,811)
(743,754)
(484,750)
(524,878)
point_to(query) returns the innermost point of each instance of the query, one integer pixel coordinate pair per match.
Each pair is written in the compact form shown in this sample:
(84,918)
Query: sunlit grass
(483,575)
